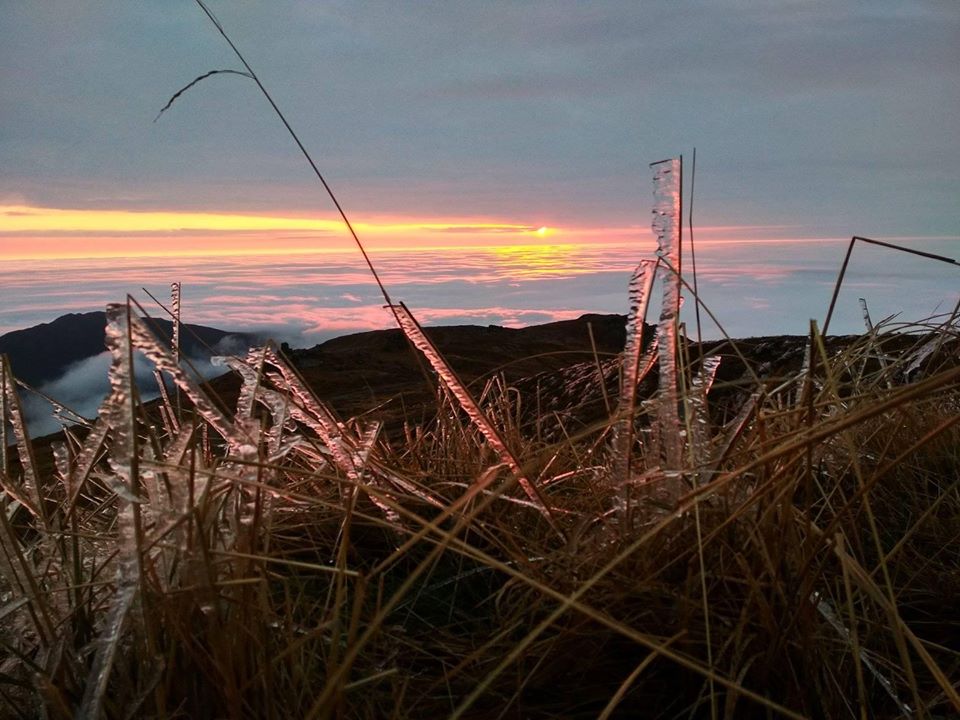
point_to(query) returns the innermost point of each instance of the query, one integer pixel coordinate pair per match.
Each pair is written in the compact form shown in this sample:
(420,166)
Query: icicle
(666,226)
(89,452)
(456,387)
(124,458)
(169,415)
(175,308)
(155,495)
(305,408)
(698,418)
(251,392)
(4,444)
(63,414)
(61,460)
(251,374)
(280,418)
(147,343)
(175,459)
(289,380)
(362,456)
(96,685)
(866,315)
(641,284)
(30,497)
(801,379)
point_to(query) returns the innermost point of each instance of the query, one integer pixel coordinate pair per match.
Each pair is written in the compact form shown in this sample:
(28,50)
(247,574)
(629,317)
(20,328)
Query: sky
(493,157)
(469,124)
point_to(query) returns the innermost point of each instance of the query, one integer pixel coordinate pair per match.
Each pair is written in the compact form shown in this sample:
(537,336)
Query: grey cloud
(510,108)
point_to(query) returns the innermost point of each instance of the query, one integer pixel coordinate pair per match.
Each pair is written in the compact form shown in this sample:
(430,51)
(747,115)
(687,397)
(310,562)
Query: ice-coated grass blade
(866,315)
(698,418)
(143,339)
(31,494)
(175,308)
(640,285)
(125,454)
(826,610)
(107,643)
(633,372)
(306,408)
(666,227)
(167,411)
(456,387)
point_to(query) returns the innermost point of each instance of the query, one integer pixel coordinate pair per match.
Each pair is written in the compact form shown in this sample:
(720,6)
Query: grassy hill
(342,533)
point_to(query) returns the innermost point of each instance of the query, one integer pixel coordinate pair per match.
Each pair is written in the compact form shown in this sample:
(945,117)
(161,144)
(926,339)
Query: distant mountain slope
(378,369)
(43,352)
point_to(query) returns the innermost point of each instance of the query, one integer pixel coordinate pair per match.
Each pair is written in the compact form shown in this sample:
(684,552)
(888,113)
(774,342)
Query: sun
(542,232)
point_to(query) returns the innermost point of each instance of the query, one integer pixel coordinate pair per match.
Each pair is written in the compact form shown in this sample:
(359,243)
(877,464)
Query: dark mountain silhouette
(43,352)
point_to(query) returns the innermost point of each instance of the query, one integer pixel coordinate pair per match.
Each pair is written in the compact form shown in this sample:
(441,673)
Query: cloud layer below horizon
(758,287)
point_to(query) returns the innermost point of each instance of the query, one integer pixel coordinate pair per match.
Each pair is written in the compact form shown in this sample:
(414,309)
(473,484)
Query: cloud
(509,108)
(84,385)
(82,388)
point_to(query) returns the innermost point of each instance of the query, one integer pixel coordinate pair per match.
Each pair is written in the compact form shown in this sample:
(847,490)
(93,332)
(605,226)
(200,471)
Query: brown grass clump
(275,561)
(771,542)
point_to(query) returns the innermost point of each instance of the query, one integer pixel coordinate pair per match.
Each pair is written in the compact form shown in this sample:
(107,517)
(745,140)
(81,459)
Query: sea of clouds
(753,287)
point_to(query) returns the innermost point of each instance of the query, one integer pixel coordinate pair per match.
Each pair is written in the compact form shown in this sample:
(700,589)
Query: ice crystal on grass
(666,226)
(917,358)
(28,493)
(865,311)
(633,371)
(175,309)
(697,413)
(640,285)
(455,386)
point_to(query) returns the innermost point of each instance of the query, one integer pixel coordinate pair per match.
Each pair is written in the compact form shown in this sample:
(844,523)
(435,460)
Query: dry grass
(276,561)
(778,545)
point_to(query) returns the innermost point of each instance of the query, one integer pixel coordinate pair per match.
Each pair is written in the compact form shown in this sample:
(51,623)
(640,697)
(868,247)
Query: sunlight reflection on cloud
(754,287)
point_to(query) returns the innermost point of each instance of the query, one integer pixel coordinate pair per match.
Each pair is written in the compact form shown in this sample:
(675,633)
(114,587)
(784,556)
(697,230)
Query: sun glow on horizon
(50,234)
(30,232)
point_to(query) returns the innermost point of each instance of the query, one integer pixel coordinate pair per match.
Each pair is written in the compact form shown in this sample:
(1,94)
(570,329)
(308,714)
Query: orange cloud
(29,232)
(37,232)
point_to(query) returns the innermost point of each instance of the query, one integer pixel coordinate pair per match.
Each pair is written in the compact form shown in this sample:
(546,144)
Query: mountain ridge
(44,352)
